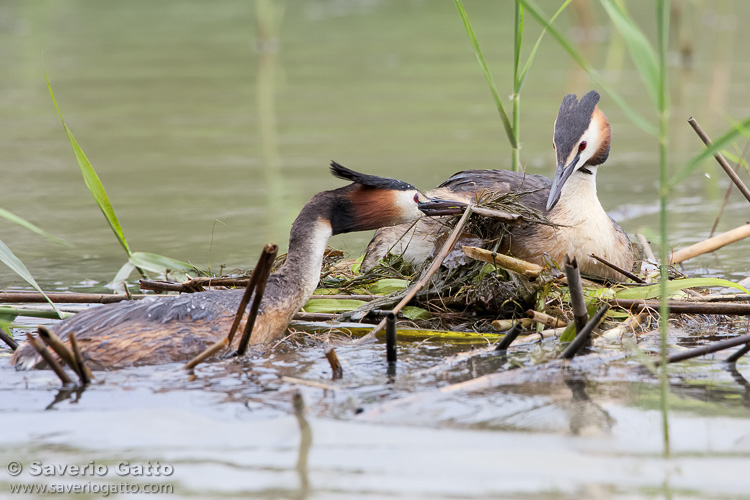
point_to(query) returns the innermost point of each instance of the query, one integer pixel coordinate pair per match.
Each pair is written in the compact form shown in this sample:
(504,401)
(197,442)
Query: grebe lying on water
(166,329)
(581,141)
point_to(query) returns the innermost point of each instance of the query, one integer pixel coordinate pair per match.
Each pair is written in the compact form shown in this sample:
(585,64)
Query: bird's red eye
(553,146)
(582,146)
(416,198)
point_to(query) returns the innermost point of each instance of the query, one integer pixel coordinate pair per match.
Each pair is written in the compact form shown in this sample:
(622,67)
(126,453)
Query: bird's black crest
(573,120)
(373,181)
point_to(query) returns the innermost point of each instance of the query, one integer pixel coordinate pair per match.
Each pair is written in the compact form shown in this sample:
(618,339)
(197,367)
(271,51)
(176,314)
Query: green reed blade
(91,179)
(522,78)
(738,130)
(158,263)
(14,263)
(641,51)
(662,28)
(487,74)
(8,215)
(629,111)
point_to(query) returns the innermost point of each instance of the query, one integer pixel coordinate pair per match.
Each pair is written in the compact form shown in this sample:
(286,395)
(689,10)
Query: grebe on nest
(166,329)
(580,227)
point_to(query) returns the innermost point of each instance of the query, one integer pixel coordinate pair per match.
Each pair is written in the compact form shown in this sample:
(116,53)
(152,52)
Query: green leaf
(12,312)
(118,282)
(158,263)
(570,331)
(487,74)
(717,145)
(387,285)
(641,51)
(332,305)
(629,111)
(6,214)
(15,264)
(6,319)
(527,66)
(91,179)
(674,286)
(414,313)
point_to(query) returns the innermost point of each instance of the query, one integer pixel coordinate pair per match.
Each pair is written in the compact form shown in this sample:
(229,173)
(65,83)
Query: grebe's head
(581,140)
(372,202)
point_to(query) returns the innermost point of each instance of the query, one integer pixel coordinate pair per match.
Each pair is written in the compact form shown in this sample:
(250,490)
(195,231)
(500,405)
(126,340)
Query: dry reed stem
(8,340)
(710,244)
(583,335)
(436,263)
(647,251)
(265,263)
(71,298)
(505,261)
(620,270)
(57,345)
(251,286)
(545,319)
(200,358)
(707,349)
(687,307)
(84,373)
(720,158)
(506,324)
(49,358)
(580,315)
(333,360)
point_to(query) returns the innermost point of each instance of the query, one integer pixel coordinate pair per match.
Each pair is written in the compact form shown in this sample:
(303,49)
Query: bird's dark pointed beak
(436,206)
(561,176)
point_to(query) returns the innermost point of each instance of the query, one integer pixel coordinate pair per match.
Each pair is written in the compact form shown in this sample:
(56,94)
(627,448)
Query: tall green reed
(662,29)
(651,66)
(140,261)
(512,129)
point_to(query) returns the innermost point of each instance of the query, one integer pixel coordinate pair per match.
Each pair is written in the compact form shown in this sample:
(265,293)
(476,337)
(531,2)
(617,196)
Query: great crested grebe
(581,141)
(161,330)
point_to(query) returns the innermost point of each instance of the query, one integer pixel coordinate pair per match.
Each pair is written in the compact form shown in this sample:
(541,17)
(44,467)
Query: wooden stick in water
(707,349)
(333,360)
(528,269)
(57,345)
(688,307)
(266,263)
(720,158)
(739,353)
(84,373)
(70,298)
(49,358)
(620,270)
(260,268)
(510,336)
(545,319)
(580,315)
(8,340)
(447,247)
(710,244)
(583,335)
(210,351)
(390,339)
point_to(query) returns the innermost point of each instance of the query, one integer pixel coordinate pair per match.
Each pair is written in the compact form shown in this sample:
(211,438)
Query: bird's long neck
(578,200)
(307,244)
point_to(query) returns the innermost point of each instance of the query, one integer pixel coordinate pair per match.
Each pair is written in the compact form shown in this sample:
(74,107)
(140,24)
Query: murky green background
(197,112)
(191,114)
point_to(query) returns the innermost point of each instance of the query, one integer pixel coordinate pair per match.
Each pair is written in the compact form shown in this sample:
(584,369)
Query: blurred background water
(211,125)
